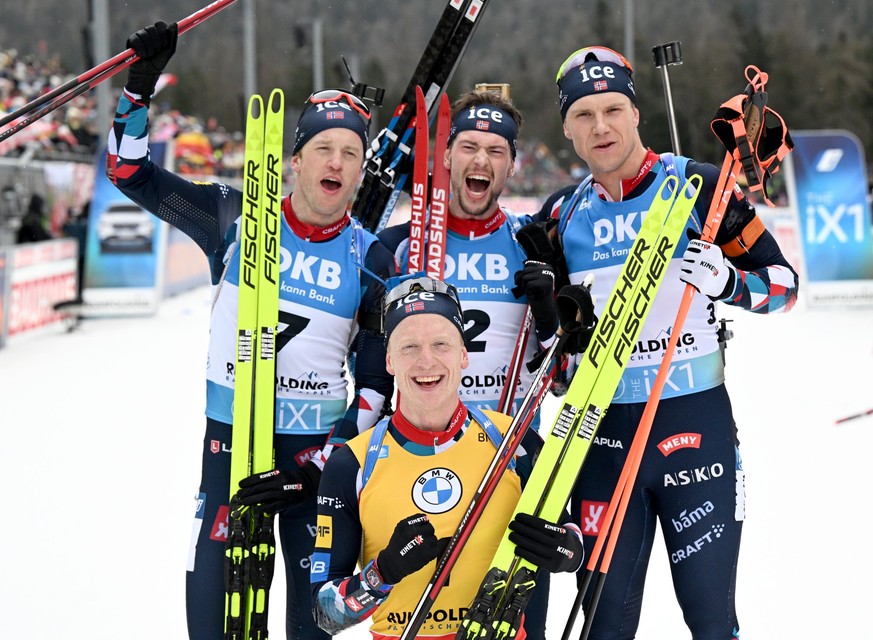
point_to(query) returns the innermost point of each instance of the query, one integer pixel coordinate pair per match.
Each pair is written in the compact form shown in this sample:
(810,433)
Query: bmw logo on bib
(437,490)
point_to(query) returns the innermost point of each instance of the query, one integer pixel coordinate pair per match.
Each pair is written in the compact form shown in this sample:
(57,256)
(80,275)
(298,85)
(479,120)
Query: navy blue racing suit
(691,478)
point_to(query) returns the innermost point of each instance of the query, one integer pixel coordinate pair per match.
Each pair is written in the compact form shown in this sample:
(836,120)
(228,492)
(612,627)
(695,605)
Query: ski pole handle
(64,93)
(666,55)
(507,394)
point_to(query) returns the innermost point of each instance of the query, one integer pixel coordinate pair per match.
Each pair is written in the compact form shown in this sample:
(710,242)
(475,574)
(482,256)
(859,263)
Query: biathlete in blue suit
(328,298)
(691,476)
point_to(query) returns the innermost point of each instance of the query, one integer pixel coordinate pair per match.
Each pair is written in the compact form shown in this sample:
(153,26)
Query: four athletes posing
(744,267)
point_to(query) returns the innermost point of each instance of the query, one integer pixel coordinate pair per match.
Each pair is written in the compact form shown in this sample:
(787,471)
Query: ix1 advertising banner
(830,179)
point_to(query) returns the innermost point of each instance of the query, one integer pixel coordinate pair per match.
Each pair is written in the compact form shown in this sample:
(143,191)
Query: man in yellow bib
(392,497)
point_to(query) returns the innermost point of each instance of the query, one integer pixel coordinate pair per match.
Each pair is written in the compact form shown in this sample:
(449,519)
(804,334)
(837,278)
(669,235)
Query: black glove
(537,281)
(547,545)
(576,313)
(154,45)
(276,490)
(412,545)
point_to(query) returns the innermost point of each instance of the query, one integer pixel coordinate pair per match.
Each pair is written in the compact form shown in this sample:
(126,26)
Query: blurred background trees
(819,55)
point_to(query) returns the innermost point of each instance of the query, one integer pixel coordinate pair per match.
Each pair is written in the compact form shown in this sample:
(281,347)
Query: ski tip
(276,103)
(691,188)
(256,106)
(668,189)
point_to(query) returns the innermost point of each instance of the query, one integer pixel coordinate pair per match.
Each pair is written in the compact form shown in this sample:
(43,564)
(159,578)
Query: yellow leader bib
(440,485)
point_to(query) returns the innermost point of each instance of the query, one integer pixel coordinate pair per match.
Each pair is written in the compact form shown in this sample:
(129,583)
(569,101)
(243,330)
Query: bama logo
(310,269)
(679,441)
(476,266)
(688,518)
(437,490)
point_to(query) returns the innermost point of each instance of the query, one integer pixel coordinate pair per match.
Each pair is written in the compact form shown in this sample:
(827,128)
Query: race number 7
(294,325)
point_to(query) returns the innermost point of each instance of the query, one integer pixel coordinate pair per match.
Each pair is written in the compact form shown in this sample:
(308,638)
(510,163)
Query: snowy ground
(101,432)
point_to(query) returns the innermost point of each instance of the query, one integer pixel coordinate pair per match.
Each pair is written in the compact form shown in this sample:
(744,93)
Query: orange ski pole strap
(753,133)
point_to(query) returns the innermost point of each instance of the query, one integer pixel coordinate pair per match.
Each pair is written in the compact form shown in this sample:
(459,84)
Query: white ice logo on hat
(596,72)
(485,113)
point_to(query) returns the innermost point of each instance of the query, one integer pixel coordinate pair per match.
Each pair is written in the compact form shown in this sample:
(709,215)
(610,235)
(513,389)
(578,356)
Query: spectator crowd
(202,147)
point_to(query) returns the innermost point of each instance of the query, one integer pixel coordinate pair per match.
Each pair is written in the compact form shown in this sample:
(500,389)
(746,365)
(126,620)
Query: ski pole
(62,94)
(666,55)
(507,394)
(535,250)
(854,416)
(47,108)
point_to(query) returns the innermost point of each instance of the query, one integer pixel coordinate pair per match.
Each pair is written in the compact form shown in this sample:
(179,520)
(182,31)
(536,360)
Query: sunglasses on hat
(601,54)
(335,95)
(399,287)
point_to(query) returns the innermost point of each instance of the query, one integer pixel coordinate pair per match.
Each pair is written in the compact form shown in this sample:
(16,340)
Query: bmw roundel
(437,490)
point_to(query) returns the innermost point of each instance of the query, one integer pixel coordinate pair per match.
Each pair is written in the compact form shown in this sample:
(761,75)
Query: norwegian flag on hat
(600,85)
(335,115)
(483,125)
(413,306)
